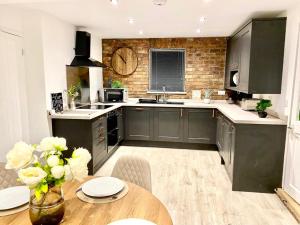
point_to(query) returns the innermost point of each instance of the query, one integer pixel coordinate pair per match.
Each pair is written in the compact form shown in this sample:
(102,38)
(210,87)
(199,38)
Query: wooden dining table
(138,203)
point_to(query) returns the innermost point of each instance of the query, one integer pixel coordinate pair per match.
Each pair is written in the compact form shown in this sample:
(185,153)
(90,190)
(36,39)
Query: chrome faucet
(164,95)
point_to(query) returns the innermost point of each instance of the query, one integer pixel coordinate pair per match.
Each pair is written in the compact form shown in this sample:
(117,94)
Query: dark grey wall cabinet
(139,123)
(255,55)
(89,134)
(168,124)
(199,126)
(252,154)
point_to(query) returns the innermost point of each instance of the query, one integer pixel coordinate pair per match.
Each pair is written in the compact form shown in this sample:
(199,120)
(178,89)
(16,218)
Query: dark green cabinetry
(255,54)
(139,123)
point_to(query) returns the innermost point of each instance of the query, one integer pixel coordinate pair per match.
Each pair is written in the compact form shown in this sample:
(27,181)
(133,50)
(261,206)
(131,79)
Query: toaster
(249,104)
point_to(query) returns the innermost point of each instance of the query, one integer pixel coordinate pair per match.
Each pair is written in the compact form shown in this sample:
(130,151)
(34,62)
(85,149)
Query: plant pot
(49,209)
(262,114)
(206,100)
(72,104)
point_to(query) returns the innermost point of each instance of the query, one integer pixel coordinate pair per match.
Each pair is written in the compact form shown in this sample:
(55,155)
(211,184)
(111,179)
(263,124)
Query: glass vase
(49,209)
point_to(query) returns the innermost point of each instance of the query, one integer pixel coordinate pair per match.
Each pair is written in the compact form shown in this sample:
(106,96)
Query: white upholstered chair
(8,178)
(135,170)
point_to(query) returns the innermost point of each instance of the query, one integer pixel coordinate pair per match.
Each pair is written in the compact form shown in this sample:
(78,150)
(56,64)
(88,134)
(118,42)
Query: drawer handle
(140,109)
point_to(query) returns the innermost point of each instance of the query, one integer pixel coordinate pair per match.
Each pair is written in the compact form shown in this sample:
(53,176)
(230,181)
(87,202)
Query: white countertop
(231,111)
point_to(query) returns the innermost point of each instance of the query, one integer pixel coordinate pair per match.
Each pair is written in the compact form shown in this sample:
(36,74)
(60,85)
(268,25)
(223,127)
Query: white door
(291,181)
(13,111)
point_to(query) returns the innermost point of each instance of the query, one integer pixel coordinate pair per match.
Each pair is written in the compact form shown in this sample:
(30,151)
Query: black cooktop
(95,107)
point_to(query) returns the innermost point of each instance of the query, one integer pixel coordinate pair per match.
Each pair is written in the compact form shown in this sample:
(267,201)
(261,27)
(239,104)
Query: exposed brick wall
(205,63)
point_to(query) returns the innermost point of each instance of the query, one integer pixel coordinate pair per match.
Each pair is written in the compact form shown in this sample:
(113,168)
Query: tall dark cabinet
(255,57)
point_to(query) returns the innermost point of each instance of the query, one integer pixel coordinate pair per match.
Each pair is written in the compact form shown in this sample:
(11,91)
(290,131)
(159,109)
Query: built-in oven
(112,130)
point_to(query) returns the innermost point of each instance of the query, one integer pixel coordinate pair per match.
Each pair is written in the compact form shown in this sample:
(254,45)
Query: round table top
(138,203)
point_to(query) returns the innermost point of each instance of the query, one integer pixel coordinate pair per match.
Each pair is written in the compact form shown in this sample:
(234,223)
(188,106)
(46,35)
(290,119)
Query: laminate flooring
(196,190)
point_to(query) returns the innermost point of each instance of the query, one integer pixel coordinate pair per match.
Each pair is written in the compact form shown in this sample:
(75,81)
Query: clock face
(124,61)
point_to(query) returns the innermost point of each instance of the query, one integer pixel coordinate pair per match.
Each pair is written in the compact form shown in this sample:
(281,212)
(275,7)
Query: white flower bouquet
(43,166)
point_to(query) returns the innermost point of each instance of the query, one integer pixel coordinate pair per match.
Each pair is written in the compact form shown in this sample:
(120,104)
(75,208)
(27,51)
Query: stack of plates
(14,197)
(132,222)
(102,187)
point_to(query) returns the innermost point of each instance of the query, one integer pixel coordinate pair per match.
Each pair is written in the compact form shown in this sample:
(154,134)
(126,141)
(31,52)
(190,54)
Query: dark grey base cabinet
(89,134)
(139,123)
(199,126)
(253,154)
(170,124)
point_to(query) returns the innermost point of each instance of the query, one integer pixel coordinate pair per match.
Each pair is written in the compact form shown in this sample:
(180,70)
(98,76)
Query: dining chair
(135,170)
(8,178)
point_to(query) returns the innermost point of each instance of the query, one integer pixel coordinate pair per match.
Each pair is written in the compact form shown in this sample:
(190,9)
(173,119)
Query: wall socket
(221,92)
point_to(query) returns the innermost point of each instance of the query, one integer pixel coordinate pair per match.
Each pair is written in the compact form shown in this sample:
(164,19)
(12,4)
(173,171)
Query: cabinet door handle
(140,109)
(213,113)
(181,112)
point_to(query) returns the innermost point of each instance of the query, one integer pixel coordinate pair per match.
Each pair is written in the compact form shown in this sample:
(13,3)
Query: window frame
(150,69)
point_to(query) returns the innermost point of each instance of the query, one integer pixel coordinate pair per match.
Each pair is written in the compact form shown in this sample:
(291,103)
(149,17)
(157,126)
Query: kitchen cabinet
(120,124)
(255,57)
(139,123)
(199,126)
(168,124)
(89,134)
(252,154)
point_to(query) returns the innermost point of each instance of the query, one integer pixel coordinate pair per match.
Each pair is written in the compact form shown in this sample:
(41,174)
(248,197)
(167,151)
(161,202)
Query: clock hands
(121,58)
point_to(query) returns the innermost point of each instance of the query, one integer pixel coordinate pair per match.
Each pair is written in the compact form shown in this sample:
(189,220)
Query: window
(167,68)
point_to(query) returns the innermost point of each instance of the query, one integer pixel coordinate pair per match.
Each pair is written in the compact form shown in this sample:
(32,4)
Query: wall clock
(124,61)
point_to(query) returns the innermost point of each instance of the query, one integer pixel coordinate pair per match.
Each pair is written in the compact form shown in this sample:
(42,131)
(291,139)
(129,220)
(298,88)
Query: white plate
(14,197)
(102,186)
(132,222)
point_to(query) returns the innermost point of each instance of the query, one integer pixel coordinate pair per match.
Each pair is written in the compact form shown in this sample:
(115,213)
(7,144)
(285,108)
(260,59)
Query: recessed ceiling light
(198,30)
(202,19)
(141,32)
(131,20)
(159,2)
(114,2)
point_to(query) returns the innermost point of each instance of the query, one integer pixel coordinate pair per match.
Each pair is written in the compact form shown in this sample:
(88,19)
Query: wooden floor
(196,190)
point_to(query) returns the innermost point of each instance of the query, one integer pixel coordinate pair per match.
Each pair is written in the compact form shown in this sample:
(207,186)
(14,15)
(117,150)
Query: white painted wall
(48,46)
(58,40)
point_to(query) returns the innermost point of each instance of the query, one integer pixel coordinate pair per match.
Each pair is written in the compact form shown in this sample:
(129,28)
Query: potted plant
(73,92)
(44,169)
(116,84)
(262,106)
(207,95)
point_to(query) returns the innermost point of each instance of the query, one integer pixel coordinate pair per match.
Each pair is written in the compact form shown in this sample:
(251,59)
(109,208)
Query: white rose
(78,168)
(52,143)
(20,156)
(68,173)
(82,154)
(31,176)
(53,160)
(58,172)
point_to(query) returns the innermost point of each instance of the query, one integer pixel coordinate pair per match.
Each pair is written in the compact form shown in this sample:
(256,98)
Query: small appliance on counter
(115,95)
(249,104)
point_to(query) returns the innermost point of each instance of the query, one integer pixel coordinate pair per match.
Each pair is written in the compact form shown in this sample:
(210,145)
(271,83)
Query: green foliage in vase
(263,105)
(73,90)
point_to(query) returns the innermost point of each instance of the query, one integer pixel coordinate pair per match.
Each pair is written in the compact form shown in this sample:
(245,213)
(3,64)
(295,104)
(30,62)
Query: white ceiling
(178,18)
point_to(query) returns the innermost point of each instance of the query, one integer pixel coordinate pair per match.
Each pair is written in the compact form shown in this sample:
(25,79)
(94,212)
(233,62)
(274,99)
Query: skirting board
(289,202)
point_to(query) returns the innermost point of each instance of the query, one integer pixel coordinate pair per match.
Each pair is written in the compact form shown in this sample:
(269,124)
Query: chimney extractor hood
(82,52)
